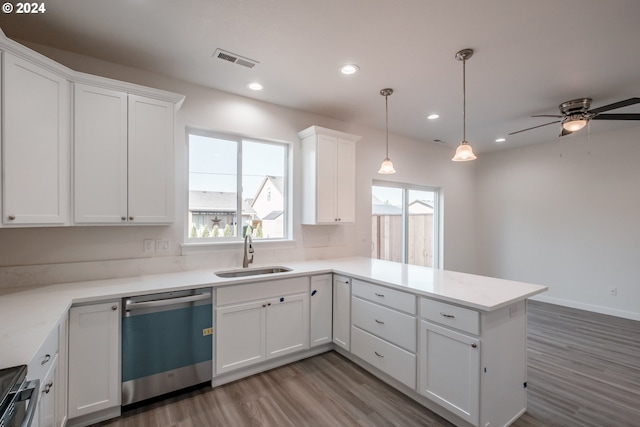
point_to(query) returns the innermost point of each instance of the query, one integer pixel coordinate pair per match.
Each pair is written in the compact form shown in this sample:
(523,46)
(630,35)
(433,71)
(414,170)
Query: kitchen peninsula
(417,328)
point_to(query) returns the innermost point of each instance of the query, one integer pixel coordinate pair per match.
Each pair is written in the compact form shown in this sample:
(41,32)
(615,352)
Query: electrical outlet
(613,291)
(163,245)
(149,246)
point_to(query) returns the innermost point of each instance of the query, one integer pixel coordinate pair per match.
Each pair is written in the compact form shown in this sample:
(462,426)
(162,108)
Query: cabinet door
(341,311)
(150,160)
(100,155)
(240,336)
(326,185)
(48,396)
(320,307)
(287,324)
(94,358)
(450,370)
(35,144)
(346,181)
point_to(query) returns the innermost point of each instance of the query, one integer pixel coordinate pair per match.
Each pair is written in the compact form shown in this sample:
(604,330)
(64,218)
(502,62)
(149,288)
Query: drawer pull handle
(379,322)
(114,307)
(474,345)
(47,357)
(379,295)
(378,354)
(448,316)
(48,386)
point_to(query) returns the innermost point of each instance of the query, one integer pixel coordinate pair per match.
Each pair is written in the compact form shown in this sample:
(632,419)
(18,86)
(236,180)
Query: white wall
(53,255)
(565,214)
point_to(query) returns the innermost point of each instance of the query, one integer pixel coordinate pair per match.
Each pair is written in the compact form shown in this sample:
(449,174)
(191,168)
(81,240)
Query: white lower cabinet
(320,303)
(274,323)
(94,359)
(342,311)
(49,395)
(450,370)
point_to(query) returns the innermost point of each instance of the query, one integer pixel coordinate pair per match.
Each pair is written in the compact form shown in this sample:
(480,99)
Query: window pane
(213,170)
(263,189)
(420,232)
(386,223)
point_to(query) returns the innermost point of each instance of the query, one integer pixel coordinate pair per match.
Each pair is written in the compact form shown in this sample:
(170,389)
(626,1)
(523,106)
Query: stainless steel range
(18,397)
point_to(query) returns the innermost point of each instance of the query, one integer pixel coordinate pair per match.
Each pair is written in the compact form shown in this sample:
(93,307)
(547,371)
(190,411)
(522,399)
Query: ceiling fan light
(464,153)
(386,168)
(574,124)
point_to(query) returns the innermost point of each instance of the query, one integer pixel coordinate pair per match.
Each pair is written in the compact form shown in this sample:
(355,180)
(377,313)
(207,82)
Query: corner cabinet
(35,144)
(123,157)
(342,311)
(328,176)
(320,308)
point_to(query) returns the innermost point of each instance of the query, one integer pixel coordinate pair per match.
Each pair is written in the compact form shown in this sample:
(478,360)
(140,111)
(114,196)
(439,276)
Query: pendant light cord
(464,102)
(386,104)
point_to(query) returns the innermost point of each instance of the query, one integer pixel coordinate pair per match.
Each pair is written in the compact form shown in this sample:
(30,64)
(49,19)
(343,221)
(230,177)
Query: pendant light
(464,152)
(386,168)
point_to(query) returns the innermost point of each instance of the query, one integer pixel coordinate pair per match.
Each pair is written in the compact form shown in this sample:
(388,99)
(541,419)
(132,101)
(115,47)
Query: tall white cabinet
(328,176)
(35,143)
(123,157)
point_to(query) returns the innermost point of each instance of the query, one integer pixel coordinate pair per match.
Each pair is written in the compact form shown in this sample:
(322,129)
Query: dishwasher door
(167,343)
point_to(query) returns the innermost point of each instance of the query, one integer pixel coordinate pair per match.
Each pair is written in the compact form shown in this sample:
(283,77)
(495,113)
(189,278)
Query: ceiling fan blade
(619,104)
(617,117)
(548,115)
(535,127)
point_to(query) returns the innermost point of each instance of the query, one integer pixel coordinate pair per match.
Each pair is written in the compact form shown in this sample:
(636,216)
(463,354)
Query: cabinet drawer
(393,326)
(453,316)
(386,296)
(392,360)
(43,359)
(254,291)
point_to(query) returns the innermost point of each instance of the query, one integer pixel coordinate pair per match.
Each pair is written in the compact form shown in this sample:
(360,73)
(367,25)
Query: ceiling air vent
(236,59)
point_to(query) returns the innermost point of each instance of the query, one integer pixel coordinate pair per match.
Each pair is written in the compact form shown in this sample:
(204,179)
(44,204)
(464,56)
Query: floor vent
(236,59)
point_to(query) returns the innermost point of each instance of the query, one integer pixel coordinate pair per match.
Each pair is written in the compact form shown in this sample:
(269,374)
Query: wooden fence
(386,234)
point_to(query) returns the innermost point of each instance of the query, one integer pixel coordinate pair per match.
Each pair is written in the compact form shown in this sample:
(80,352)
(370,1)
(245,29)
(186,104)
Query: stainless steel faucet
(247,250)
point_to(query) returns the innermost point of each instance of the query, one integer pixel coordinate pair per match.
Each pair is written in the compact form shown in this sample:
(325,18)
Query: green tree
(205,231)
(194,231)
(248,231)
(226,232)
(216,231)
(258,232)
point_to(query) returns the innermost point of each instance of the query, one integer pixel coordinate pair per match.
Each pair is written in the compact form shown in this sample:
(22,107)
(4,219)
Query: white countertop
(28,316)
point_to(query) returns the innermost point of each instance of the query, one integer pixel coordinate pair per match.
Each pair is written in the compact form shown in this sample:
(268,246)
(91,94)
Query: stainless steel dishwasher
(166,343)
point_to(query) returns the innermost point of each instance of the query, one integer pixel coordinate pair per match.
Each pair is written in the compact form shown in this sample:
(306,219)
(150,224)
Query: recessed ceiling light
(499,140)
(349,69)
(254,86)
(433,116)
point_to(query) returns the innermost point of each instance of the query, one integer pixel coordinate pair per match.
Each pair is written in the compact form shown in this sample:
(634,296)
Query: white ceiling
(529,56)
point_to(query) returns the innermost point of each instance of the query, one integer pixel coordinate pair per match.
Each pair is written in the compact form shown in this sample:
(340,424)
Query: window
(237,186)
(404,223)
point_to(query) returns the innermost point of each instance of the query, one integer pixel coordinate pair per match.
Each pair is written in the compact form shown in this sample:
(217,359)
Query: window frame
(239,140)
(437,214)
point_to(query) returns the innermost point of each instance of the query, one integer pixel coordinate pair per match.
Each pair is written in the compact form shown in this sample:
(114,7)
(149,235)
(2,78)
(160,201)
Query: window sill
(191,248)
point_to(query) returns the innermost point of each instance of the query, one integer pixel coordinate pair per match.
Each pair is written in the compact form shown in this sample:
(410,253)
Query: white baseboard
(588,307)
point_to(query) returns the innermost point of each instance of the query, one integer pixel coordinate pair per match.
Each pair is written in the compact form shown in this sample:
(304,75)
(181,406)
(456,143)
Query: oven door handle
(30,393)
(130,305)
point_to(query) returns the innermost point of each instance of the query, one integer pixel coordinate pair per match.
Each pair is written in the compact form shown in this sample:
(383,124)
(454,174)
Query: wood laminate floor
(583,370)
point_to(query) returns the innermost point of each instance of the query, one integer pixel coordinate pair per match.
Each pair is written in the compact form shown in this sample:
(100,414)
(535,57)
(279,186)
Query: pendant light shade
(386,168)
(464,152)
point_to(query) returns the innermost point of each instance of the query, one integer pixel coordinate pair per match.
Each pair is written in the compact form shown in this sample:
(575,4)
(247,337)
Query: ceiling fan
(576,114)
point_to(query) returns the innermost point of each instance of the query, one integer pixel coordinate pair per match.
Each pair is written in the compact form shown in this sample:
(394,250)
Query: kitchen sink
(252,271)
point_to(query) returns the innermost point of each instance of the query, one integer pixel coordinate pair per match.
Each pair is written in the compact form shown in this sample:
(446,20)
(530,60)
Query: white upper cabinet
(328,175)
(100,155)
(105,158)
(123,157)
(150,160)
(35,144)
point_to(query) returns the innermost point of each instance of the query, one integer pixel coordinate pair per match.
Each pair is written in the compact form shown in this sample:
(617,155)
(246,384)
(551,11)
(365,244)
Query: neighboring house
(209,208)
(268,205)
